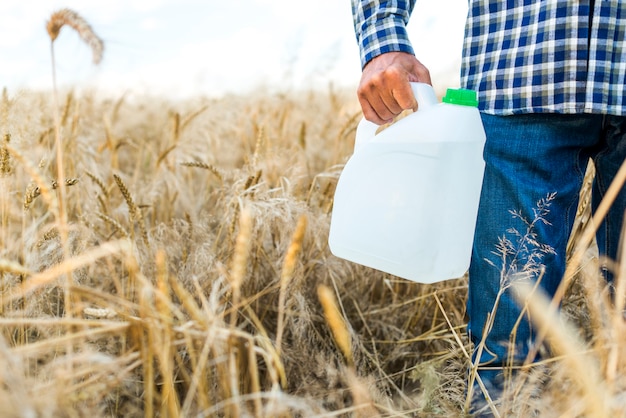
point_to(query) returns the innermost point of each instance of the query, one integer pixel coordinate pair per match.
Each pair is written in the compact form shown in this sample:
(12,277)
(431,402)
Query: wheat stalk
(336,322)
(240,256)
(187,120)
(66,109)
(6,166)
(133,209)
(260,139)
(57,20)
(115,224)
(289,266)
(237,274)
(163,335)
(175,116)
(98,182)
(564,341)
(68,182)
(72,19)
(252,181)
(147,352)
(48,235)
(33,191)
(38,183)
(4,111)
(165,153)
(103,188)
(218,173)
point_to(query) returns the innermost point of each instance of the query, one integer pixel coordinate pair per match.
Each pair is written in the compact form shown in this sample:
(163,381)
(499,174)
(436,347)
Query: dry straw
(562,337)
(37,280)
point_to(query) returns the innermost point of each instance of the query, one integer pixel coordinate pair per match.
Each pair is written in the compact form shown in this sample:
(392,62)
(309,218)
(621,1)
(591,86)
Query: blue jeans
(535,166)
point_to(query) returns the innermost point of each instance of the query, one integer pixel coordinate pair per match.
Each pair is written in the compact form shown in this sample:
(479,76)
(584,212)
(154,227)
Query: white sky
(188,47)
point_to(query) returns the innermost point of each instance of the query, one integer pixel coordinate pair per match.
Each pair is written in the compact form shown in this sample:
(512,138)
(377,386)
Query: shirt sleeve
(380,26)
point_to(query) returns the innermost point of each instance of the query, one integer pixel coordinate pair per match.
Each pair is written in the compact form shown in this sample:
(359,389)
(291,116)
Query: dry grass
(194,277)
(189,274)
(227,302)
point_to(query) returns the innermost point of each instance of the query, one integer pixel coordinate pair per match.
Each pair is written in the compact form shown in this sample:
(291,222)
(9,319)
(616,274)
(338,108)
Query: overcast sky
(188,47)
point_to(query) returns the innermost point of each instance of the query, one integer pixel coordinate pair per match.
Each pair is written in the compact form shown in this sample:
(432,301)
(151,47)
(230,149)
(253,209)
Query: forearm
(380,26)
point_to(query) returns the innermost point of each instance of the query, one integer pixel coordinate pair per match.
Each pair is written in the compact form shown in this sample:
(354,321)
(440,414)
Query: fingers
(379,103)
(384,91)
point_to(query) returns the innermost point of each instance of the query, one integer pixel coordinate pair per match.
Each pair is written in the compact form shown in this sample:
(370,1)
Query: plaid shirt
(522,56)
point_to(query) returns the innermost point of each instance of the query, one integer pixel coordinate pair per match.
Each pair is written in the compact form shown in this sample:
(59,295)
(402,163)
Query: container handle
(425,97)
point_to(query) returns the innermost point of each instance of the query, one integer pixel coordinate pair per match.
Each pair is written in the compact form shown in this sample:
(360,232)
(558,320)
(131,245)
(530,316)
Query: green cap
(462,97)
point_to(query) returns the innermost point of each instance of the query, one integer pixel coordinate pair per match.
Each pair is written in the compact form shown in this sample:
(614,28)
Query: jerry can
(406,201)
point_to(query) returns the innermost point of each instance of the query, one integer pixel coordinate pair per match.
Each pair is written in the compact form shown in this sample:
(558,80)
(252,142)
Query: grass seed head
(335,321)
(72,19)
(6,166)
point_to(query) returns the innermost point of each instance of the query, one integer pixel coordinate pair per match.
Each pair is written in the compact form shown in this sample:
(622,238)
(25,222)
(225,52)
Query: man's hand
(384,91)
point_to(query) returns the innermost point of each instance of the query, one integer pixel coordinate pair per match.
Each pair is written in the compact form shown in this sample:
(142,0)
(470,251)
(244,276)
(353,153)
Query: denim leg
(535,166)
(608,160)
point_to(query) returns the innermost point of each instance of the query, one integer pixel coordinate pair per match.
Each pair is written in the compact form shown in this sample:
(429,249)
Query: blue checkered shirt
(522,56)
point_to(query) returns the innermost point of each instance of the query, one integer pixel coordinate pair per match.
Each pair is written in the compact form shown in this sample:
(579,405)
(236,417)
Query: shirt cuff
(388,35)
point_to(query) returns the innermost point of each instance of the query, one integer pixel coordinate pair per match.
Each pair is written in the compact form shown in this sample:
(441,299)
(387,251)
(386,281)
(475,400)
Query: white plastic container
(407,199)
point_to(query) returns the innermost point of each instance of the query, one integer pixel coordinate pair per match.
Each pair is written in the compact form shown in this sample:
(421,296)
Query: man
(550,77)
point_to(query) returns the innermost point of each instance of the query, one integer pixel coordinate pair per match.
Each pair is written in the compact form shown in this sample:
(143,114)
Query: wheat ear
(289,266)
(72,19)
(99,183)
(240,258)
(6,166)
(336,322)
(218,173)
(133,209)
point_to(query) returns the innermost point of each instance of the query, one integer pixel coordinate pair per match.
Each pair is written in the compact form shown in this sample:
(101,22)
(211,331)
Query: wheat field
(169,258)
(195,249)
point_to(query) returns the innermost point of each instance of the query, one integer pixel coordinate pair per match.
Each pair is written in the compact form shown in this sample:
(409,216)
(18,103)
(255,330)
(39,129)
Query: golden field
(182,269)
(194,252)
(169,258)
